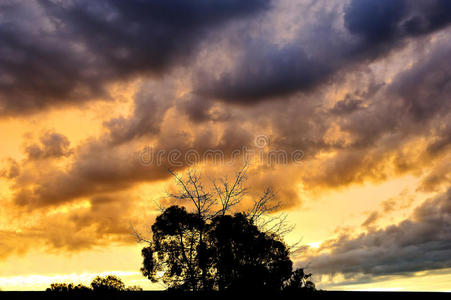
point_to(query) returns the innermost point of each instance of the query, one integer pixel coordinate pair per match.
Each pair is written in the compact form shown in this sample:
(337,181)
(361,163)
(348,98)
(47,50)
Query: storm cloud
(360,87)
(339,39)
(54,52)
(422,242)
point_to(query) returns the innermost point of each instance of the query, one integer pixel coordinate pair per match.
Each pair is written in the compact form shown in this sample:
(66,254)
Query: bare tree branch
(138,236)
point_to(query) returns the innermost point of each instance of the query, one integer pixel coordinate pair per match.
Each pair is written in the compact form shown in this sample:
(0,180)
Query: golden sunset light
(337,113)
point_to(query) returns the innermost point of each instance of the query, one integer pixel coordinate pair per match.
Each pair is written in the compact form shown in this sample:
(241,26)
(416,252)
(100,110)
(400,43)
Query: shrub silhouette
(66,288)
(299,280)
(108,283)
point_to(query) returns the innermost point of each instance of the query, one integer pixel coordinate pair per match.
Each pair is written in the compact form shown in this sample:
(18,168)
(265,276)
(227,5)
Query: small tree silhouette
(108,283)
(299,280)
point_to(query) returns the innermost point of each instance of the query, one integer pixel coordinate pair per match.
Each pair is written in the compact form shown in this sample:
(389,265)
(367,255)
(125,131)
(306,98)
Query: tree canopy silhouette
(215,247)
(245,257)
(107,284)
(234,253)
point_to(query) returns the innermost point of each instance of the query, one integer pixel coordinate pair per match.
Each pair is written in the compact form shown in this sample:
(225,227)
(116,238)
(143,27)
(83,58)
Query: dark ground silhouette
(216,295)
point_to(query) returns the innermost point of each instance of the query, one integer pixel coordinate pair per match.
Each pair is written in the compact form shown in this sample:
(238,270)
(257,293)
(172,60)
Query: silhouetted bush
(108,283)
(65,288)
(299,280)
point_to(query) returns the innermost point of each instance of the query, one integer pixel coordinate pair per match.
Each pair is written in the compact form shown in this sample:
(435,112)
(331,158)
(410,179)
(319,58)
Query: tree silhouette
(108,283)
(235,253)
(175,250)
(246,258)
(215,247)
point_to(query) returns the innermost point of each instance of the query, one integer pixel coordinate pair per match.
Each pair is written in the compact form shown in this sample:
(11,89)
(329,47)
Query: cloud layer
(54,53)
(371,29)
(421,242)
(360,87)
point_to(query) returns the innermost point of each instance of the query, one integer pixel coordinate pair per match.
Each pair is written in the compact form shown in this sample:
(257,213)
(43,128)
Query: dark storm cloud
(415,106)
(202,109)
(266,71)
(376,120)
(151,103)
(425,88)
(422,242)
(346,106)
(372,28)
(419,93)
(54,52)
(68,52)
(374,20)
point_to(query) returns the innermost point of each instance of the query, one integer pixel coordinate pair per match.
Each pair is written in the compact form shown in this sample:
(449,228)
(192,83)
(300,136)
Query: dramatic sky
(357,91)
